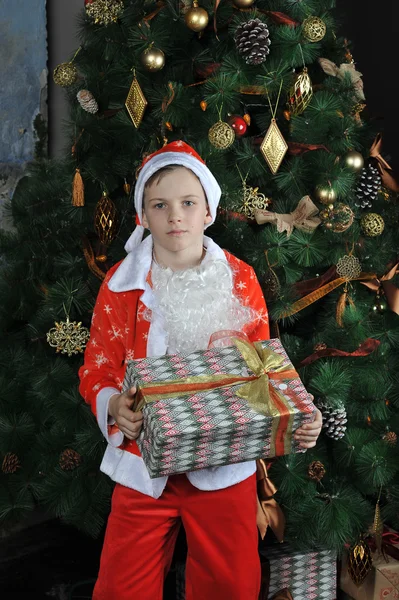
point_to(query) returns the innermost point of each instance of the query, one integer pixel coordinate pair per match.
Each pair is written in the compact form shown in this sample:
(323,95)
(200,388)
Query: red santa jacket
(119,332)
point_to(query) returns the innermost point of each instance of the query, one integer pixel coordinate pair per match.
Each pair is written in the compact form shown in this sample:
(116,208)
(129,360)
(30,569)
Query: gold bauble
(243,3)
(65,74)
(325,195)
(372,224)
(221,135)
(196,18)
(359,562)
(153,59)
(354,160)
(314,29)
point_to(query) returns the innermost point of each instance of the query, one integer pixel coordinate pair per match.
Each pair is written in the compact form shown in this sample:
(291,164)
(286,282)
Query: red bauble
(238,124)
(88,2)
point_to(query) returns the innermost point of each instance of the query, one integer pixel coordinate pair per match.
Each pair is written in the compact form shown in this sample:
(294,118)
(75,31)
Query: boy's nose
(174,217)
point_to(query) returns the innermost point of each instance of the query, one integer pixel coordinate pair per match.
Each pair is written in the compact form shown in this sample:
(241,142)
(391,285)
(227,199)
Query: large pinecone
(334,420)
(368,186)
(252,41)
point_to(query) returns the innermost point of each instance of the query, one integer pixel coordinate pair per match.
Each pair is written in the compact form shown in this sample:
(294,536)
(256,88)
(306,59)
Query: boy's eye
(159,205)
(188,203)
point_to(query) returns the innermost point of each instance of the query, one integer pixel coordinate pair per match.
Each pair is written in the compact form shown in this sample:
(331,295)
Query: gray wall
(62,44)
(23,94)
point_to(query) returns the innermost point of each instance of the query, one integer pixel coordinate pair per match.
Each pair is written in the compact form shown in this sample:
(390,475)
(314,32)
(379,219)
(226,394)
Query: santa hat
(175,153)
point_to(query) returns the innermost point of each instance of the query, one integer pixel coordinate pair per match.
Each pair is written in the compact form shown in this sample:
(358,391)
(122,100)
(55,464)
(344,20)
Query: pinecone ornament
(368,186)
(10,463)
(253,41)
(70,459)
(87,101)
(334,420)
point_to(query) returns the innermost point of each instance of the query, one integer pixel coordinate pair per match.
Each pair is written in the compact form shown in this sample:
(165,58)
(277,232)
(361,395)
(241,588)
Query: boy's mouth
(176,232)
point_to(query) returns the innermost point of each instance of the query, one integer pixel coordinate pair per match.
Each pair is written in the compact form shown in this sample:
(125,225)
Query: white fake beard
(196,303)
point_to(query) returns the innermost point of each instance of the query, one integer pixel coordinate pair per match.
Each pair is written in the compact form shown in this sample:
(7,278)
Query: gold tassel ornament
(78,189)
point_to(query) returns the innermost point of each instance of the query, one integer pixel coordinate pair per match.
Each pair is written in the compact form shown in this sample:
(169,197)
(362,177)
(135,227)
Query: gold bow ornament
(303,217)
(384,285)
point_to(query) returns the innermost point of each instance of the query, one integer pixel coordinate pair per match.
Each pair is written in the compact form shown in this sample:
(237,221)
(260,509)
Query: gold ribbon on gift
(390,290)
(303,217)
(323,291)
(269,513)
(388,179)
(256,389)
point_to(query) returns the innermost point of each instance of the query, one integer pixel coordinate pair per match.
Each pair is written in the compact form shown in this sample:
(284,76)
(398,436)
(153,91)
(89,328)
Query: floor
(49,560)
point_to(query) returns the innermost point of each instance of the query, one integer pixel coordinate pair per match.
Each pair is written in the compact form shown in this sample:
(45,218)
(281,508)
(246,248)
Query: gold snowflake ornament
(253,200)
(68,337)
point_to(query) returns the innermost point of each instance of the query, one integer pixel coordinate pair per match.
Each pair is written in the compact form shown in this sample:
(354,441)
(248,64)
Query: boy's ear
(144,221)
(208,216)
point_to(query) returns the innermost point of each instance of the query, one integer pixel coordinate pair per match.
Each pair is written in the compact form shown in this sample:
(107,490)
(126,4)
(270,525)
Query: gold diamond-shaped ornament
(136,103)
(274,147)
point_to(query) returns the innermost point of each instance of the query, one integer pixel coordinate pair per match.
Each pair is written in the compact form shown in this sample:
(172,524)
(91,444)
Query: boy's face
(175,211)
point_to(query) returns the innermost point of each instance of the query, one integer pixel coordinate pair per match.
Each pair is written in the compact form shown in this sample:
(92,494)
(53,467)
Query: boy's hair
(157,176)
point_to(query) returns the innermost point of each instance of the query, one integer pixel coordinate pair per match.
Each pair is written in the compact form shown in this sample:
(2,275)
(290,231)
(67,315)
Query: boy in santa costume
(173,290)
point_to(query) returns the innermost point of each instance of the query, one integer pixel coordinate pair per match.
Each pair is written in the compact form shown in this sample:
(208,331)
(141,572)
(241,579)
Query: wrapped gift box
(382,583)
(219,406)
(305,574)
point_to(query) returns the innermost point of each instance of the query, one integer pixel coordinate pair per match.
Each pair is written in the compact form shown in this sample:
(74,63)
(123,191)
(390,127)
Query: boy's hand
(119,408)
(307,434)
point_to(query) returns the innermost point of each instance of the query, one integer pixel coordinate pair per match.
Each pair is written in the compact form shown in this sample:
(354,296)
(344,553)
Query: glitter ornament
(87,101)
(68,337)
(104,12)
(359,562)
(337,217)
(314,29)
(221,135)
(65,74)
(372,224)
(349,267)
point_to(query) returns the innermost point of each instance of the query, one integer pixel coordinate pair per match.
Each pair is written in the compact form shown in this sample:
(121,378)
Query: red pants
(222,538)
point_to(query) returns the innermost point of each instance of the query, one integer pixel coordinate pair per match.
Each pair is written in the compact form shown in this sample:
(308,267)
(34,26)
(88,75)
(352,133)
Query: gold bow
(303,217)
(390,290)
(269,513)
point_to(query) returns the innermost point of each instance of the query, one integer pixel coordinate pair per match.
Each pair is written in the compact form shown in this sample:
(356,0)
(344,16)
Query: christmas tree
(268,94)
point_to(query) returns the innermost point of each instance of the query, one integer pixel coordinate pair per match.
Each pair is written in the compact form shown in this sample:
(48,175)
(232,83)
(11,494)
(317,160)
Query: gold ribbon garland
(303,217)
(323,291)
